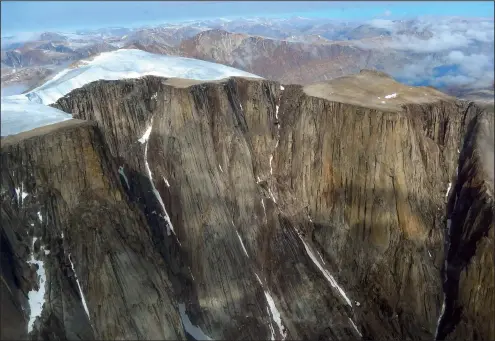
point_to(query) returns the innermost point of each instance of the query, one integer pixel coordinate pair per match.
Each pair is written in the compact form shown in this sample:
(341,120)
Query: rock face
(64,204)
(468,312)
(303,213)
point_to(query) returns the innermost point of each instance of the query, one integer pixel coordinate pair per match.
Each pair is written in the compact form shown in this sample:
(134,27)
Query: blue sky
(39,16)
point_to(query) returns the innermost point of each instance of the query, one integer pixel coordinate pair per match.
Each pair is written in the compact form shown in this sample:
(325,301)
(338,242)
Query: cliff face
(468,271)
(249,210)
(66,214)
(373,184)
(333,207)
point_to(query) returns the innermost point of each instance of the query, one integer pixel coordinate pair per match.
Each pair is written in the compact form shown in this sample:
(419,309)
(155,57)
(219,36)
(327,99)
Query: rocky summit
(244,209)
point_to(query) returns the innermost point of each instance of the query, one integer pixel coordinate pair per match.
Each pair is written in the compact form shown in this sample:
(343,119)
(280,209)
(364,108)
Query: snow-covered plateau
(31,110)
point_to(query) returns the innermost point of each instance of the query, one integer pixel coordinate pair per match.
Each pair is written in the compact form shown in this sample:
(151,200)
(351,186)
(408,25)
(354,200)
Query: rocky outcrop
(468,312)
(79,259)
(306,213)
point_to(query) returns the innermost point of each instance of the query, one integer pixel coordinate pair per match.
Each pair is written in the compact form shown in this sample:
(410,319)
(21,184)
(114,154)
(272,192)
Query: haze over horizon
(34,17)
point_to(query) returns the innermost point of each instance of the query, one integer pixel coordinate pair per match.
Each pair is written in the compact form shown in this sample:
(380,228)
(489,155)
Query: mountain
(289,62)
(447,52)
(93,50)
(33,57)
(171,36)
(154,48)
(241,208)
(298,59)
(25,78)
(213,45)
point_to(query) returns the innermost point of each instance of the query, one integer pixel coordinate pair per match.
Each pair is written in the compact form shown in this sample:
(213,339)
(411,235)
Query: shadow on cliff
(374,261)
(140,192)
(471,212)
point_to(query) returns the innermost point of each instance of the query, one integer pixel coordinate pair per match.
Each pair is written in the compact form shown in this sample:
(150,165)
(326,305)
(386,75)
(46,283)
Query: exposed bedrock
(296,212)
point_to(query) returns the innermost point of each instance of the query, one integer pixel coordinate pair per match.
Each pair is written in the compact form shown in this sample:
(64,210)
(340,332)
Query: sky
(39,16)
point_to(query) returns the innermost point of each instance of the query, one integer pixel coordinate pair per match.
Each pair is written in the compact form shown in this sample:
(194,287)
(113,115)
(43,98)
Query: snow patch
(170,227)
(319,254)
(355,327)
(36,298)
(271,195)
(391,96)
(40,217)
(325,273)
(273,312)
(166,181)
(121,172)
(221,170)
(242,244)
(442,312)
(146,134)
(83,299)
(191,329)
(448,189)
(154,95)
(282,88)
(271,159)
(383,102)
(275,315)
(21,195)
(264,209)
(276,111)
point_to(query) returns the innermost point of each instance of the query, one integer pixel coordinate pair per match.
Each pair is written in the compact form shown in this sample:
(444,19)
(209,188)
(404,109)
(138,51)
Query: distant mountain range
(449,54)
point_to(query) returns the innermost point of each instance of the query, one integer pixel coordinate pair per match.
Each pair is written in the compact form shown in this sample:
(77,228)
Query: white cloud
(483,82)
(387,13)
(475,69)
(456,57)
(418,71)
(439,42)
(20,37)
(442,41)
(444,34)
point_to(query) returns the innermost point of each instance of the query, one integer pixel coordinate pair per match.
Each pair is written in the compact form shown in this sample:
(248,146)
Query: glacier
(129,63)
(31,110)
(19,114)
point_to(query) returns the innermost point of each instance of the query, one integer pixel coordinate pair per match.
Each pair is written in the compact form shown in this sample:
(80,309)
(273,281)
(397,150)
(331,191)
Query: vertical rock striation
(99,276)
(299,213)
(469,278)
